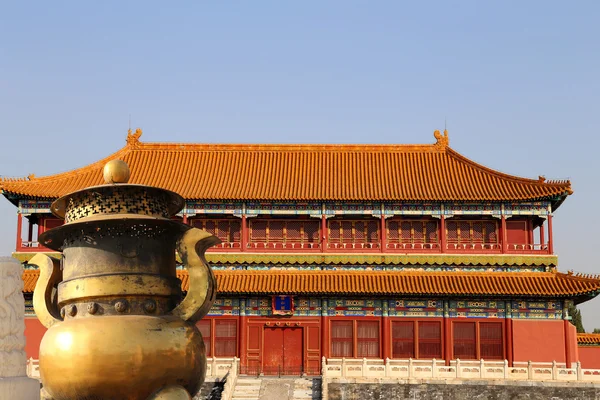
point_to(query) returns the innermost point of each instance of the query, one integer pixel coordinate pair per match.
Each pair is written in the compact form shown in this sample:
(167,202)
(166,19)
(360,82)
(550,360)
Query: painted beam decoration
(28,207)
(282,305)
(416,308)
(375,209)
(527,309)
(477,309)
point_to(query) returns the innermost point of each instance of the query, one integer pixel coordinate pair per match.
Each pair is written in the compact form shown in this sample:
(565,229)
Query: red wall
(34,331)
(542,341)
(589,357)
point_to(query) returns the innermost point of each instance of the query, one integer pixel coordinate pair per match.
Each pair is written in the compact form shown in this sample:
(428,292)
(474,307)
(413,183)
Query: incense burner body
(119,327)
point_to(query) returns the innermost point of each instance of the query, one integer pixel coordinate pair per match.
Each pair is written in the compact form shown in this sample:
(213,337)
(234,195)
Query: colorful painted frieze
(526,309)
(311,208)
(477,309)
(354,307)
(415,308)
(27,207)
(192,208)
(540,208)
(493,209)
(223,306)
(412,209)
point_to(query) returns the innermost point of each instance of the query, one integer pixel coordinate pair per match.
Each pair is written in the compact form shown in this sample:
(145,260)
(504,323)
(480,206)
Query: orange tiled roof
(588,338)
(544,284)
(301,172)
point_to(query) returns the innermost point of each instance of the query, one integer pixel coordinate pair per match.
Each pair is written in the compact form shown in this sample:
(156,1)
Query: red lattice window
(282,231)
(430,339)
(204,328)
(225,338)
(465,346)
(341,338)
(346,231)
(471,232)
(409,231)
(491,341)
(367,338)
(403,339)
(228,230)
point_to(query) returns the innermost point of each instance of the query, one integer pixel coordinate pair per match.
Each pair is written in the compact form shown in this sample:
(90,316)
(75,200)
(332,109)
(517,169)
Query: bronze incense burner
(117,325)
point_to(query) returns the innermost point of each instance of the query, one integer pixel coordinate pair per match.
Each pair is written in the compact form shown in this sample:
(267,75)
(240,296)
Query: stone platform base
(21,388)
(359,389)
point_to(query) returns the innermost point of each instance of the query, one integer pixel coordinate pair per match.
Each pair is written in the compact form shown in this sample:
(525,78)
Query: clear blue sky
(517,82)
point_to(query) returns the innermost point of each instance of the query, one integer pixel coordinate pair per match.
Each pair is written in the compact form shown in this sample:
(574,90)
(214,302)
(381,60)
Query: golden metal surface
(44,298)
(116,171)
(117,285)
(171,393)
(120,357)
(117,326)
(203,285)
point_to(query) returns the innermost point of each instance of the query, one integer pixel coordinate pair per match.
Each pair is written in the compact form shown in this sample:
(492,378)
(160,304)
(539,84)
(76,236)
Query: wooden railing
(458,369)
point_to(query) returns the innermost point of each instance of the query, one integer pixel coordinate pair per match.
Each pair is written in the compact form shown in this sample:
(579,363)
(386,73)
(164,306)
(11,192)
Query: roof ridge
(541,181)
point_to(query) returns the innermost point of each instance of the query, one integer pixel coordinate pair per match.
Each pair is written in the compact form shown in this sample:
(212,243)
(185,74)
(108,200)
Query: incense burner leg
(171,393)
(44,395)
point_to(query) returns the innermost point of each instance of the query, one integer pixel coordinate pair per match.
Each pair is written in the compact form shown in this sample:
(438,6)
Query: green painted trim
(362,259)
(376,259)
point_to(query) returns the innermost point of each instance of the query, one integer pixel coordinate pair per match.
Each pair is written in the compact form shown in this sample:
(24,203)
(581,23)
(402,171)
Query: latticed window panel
(430,339)
(403,339)
(409,231)
(491,343)
(281,231)
(225,338)
(359,231)
(341,338)
(204,328)
(367,338)
(465,346)
(472,232)
(228,230)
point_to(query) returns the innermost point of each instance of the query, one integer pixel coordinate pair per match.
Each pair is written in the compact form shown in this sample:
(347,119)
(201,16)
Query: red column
(244,233)
(383,240)
(542,238)
(324,336)
(550,239)
(185,219)
(447,340)
(509,341)
(324,242)
(442,234)
(243,343)
(19,227)
(386,337)
(567,343)
(29,232)
(504,236)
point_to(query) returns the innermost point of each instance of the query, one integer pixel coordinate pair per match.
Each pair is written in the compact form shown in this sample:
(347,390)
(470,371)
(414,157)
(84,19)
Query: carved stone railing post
(506,371)
(529,370)
(388,367)
(554,370)
(458,372)
(579,371)
(14,383)
(434,371)
(410,368)
(481,368)
(364,367)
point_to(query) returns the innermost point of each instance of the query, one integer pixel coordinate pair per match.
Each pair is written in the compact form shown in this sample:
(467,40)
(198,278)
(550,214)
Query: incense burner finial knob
(116,171)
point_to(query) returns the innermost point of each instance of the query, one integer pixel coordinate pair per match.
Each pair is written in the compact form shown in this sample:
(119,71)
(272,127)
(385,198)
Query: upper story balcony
(401,235)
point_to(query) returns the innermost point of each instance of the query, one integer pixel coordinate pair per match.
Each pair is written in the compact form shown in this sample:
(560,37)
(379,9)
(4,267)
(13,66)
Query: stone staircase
(247,389)
(307,389)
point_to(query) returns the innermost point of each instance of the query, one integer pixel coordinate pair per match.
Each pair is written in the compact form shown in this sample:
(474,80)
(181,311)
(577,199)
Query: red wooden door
(283,351)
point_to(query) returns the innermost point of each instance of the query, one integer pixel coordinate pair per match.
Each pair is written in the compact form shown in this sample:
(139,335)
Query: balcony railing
(458,369)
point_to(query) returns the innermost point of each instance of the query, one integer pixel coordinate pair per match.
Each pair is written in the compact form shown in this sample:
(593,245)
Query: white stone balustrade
(458,369)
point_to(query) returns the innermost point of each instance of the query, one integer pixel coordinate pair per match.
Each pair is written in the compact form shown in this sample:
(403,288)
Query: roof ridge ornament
(441,140)
(133,139)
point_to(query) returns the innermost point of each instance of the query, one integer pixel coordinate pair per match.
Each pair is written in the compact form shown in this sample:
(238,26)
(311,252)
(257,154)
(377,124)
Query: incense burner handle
(44,294)
(203,285)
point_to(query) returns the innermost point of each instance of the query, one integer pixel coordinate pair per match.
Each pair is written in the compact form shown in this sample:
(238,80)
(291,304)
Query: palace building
(352,251)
